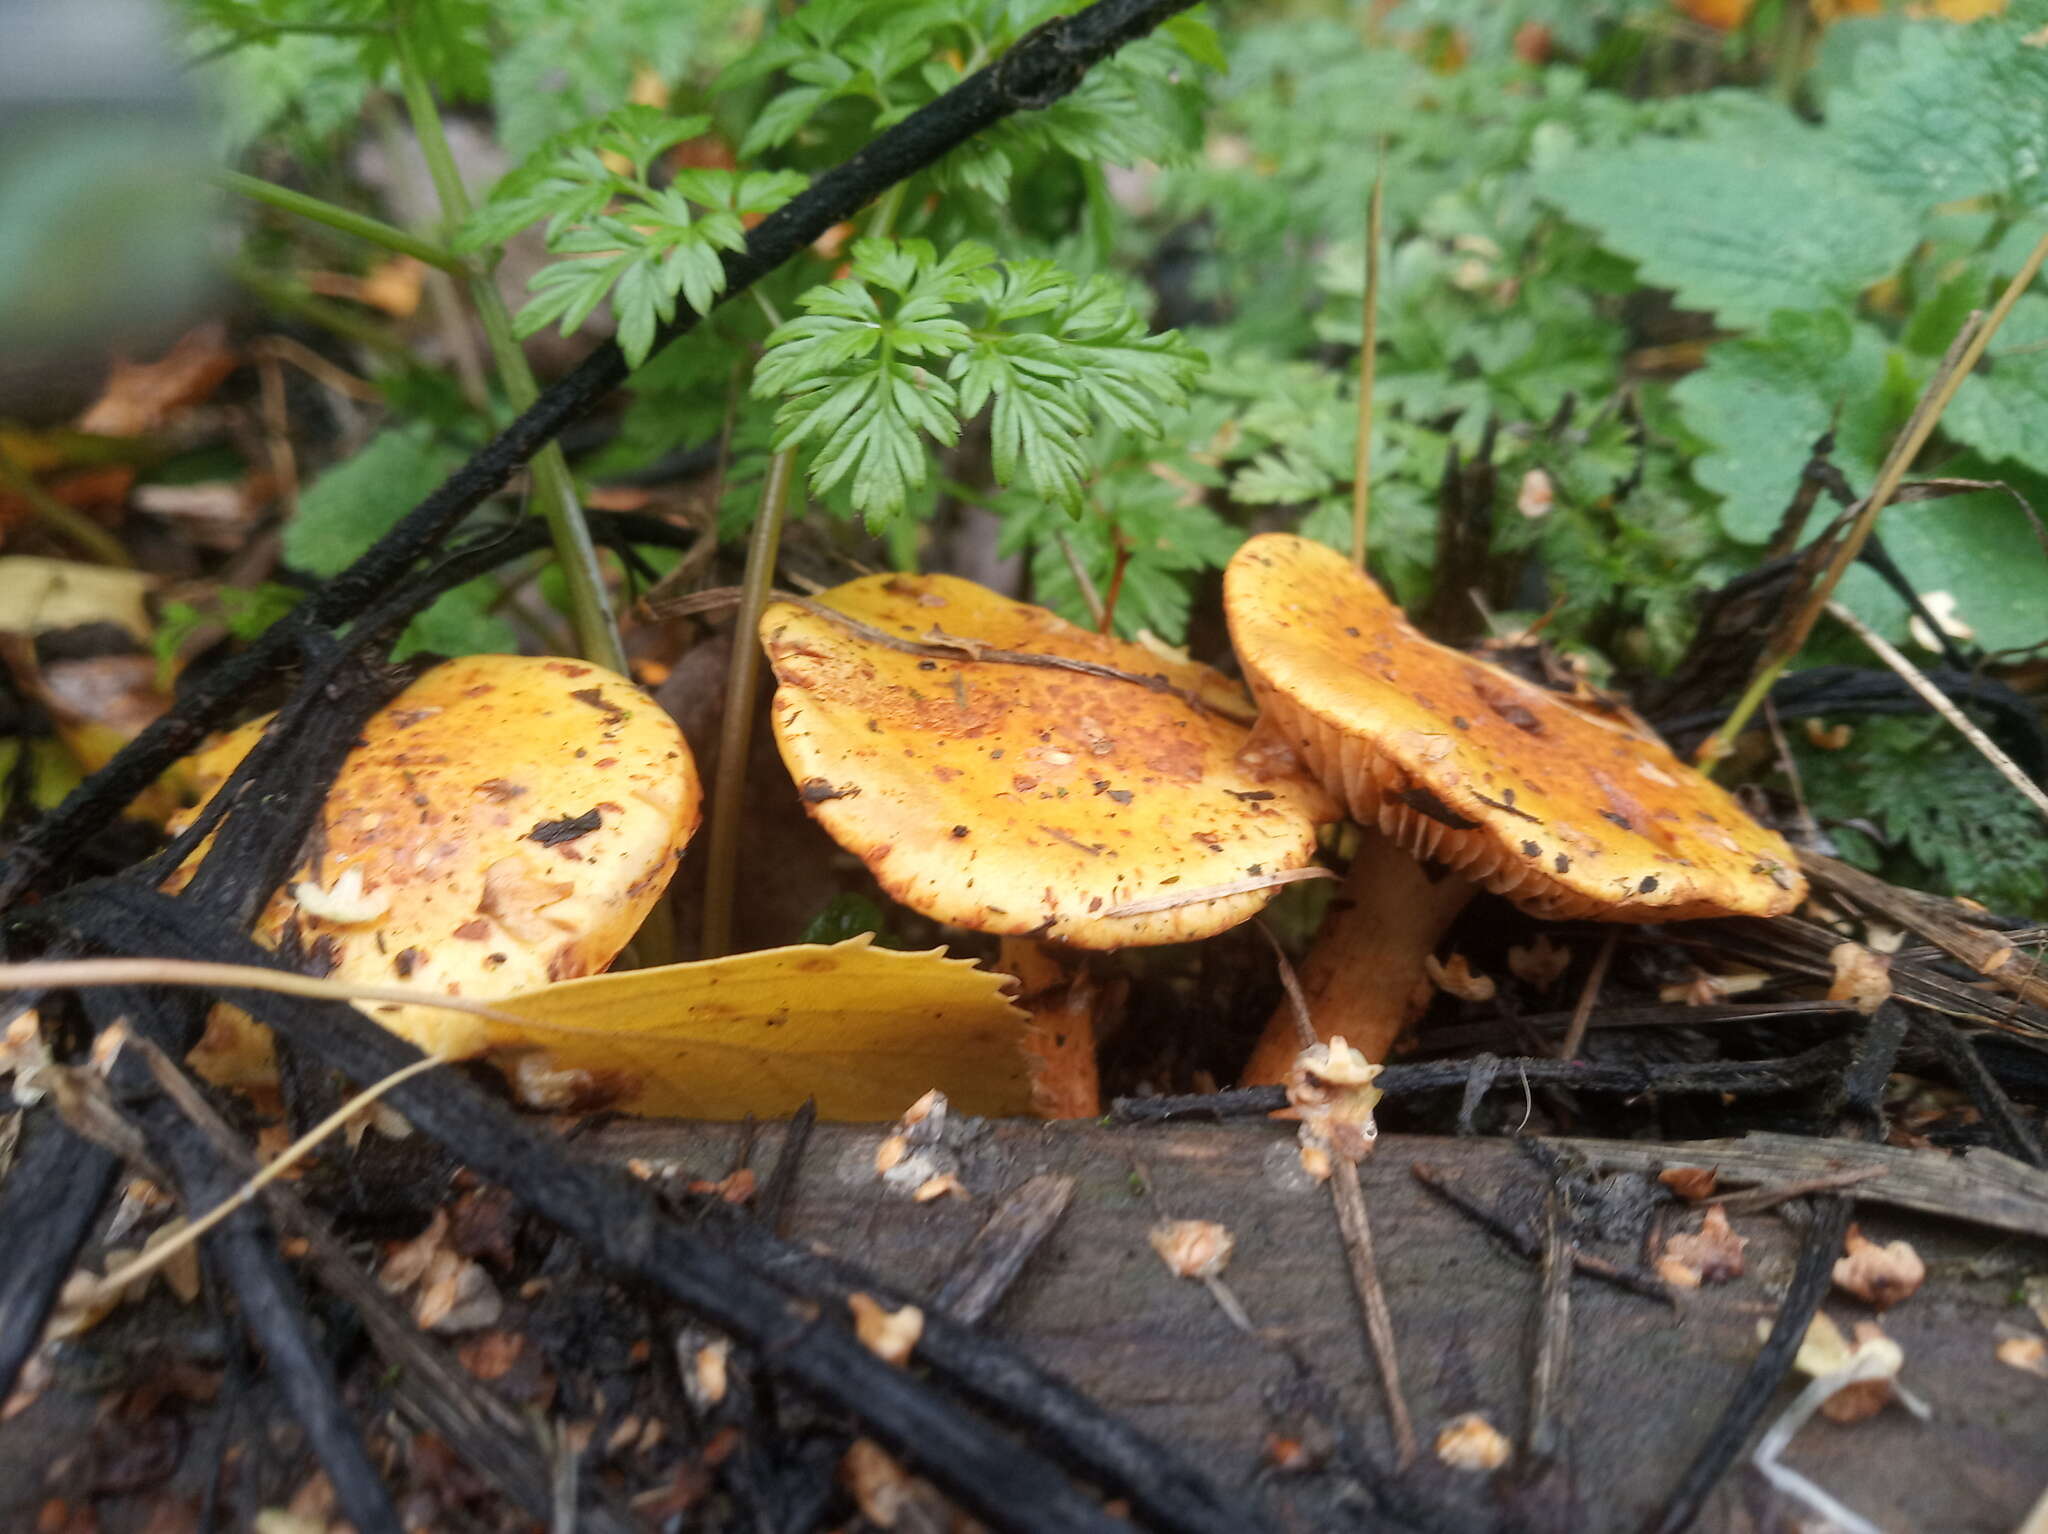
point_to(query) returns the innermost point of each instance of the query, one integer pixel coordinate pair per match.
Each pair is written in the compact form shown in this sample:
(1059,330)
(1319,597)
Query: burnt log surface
(1646,1381)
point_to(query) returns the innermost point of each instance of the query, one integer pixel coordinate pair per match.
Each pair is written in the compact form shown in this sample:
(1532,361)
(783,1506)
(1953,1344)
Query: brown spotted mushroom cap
(1020,800)
(1567,811)
(507,821)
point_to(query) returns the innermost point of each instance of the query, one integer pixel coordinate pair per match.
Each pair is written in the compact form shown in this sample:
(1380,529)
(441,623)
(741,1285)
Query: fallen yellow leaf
(857,1027)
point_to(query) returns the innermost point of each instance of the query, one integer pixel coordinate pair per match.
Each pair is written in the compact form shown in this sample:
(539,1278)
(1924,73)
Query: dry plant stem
(1589,998)
(286,1159)
(943,646)
(1366,965)
(597,634)
(1940,702)
(1059,1040)
(1348,1195)
(736,725)
(67,523)
(1368,356)
(56,974)
(1962,357)
(1548,1385)
(430,1386)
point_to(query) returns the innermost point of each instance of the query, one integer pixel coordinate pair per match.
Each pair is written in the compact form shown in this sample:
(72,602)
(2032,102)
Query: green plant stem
(1368,356)
(294,298)
(1954,369)
(65,521)
(597,634)
(736,728)
(347,220)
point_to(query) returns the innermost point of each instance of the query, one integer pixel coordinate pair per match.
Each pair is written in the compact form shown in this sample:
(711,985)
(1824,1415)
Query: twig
(244,1255)
(1348,1196)
(1856,1111)
(1083,582)
(739,1279)
(49,1202)
(1940,702)
(73,974)
(1547,1373)
(1368,357)
(1589,997)
(1712,1078)
(984,1272)
(1756,1200)
(1120,561)
(940,645)
(445,1397)
(1181,898)
(113,1283)
(1526,1246)
(1963,356)
(736,723)
(2016,1136)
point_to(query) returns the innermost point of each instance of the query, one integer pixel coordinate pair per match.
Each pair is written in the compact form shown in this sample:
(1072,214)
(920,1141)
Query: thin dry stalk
(285,1160)
(1942,704)
(1962,356)
(1582,1014)
(1348,1195)
(1368,352)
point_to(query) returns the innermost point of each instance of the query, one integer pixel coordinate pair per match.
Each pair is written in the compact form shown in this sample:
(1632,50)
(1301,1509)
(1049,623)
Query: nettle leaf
(1939,113)
(2002,409)
(1763,400)
(911,344)
(1742,222)
(641,247)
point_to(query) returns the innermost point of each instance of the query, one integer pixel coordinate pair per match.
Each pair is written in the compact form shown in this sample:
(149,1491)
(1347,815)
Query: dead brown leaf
(1192,1248)
(1471,1442)
(140,397)
(1881,1276)
(890,1335)
(1694,1184)
(1862,977)
(1711,1255)
(1457,976)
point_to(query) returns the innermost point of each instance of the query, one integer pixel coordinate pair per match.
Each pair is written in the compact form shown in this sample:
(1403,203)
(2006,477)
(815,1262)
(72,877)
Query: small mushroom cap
(1567,811)
(1019,800)
(507,821)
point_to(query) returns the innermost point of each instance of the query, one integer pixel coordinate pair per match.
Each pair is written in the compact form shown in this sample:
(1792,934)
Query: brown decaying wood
(1365,968)
(1983,1188)
(1990,953)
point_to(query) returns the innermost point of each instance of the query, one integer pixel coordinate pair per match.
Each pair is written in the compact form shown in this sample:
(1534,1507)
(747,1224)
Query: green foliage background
(1650,272)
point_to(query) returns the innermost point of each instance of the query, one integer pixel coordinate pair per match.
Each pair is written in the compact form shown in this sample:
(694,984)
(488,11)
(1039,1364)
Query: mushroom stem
(1064,1000)
(1365,970)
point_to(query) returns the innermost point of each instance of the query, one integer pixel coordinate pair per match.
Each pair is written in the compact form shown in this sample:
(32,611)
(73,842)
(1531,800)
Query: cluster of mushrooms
(1001,770)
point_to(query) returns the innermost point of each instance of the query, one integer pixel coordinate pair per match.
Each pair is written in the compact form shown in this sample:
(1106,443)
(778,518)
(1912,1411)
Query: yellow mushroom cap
(1022,800)
(1566,811)
(506,821)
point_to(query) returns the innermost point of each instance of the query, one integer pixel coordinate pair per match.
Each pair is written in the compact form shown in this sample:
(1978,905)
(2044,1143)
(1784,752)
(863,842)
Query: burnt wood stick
(1043,67)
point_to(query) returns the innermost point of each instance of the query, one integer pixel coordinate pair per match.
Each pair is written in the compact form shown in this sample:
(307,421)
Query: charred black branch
(1038,71)
(785,1304)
